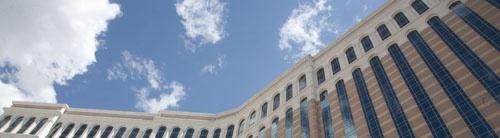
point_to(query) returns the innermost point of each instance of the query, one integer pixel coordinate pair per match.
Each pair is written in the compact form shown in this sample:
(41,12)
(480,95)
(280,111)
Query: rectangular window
(304,119)
(289,123)
(383,32)
(263,112)
(289,92)
(321,75)
(401,19)
(327,116)
(419,6)
(262,132)
(276,102)
(351,55)
(274,128)
(252,118)
(302,82)
(345,110)
(335,65)
(367,105)
(366,43)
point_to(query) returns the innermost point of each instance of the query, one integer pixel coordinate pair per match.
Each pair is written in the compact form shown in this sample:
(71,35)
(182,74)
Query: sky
(204,56)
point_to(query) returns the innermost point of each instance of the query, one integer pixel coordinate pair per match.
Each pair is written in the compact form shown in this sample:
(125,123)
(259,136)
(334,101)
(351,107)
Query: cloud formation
(300,35)
(212,68)
(47,42)
(203,21)
(133,67)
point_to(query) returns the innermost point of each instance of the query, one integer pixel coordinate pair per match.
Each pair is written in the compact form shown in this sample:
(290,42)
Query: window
(366,43)
(304,118)
(26,125)
(321,75)
(189,133)
(252,118)
(67,130)
(383,32)
(302,82)
(263,112)
(204,133)
(229,133)
(175,132)
(326,115)
(14,124)
(120,133)
(241,127)
(80,130)
(262,132)
(217,133)
(5,120)
(276,101)
(274,128)
(161,132)
(54,130)
(38,126)
(345,110)
(351,55)
(289,123)
(134,133)
(94,131)
(366,104)
(335,65)
(289,92)
(401,19)
(419,6)
(147,134)
(495,3)
(107,131)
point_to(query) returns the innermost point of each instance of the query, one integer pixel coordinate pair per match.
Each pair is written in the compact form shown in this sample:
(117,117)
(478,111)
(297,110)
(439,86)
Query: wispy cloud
(364,7)
(357,18)
(300,35)
(134,67)
(48,42)
(203,21)
(212,68)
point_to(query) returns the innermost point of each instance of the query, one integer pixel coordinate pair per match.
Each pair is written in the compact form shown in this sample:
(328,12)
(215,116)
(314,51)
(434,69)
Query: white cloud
(357,19)
(203,21)
(365,7)
(212,68)
(301,33)
(208,69)
(47,42)
(134,67)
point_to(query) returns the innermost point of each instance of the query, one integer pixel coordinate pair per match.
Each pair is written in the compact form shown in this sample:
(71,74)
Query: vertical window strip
(54,130)
(5,120)
(120,133)
(38,126)
(134,133)
(80,130)
(431,115)
(93,132)
(106,132)
(14,124)
(419,6)
(326,115)
(467,110)
(274,128)
(481,71)
(398,116)
(67,130)
(335,65)
(383,32)
(367,105)
(345,110)
(262,132)
(189,133)
(304,119)
(229,133)
(161,132)
(489,32)
(147,134)
(495,3)
(351,55)
(401,19)
(175,133)
(366,43)
(26,125)
(289,123)
(217,133)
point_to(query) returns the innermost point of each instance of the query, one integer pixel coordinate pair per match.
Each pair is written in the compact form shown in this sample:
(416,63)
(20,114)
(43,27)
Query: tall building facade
(412,68)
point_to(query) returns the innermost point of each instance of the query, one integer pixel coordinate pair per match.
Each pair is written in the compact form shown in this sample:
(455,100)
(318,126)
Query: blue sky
(187,55)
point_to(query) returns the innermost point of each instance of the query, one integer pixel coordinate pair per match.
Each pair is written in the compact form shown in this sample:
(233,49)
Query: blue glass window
(321,75)
(161,132)
(120,132)
(276,101)
(366,43)
(263,112)
(217,133)
(302,82)
(67,130)
(383,32)
(93,132)
(431,115)
(345,110)
(304,118)
(476,66)
(289,92)
(147,134)
(38,126)
(401,19)
(175,132)
(398,116)
(14,124)
(107,131)
(289,123)
(204,133)
(229,133)
(351,55)
(274,128)
(189,133)
(262,132)
(367,105)
(134,133)
(252,119)
(467,110)
(26,125)
(54,130)
(419,6)
(489,32)
(335,65)
(80,130)
(325,113)
(495,3)
(5,120)
(241,127)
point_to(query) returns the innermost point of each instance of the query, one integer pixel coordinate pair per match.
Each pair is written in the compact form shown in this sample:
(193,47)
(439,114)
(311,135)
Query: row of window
(24,127)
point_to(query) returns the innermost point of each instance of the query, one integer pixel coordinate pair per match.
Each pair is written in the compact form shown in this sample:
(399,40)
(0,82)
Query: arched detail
(453,3)
(430,17)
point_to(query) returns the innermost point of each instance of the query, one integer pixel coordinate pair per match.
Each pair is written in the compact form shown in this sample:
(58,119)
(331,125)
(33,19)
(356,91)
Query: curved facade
(417,68)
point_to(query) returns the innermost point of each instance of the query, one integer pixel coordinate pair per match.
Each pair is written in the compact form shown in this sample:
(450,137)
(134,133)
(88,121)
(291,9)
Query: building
(413,68)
